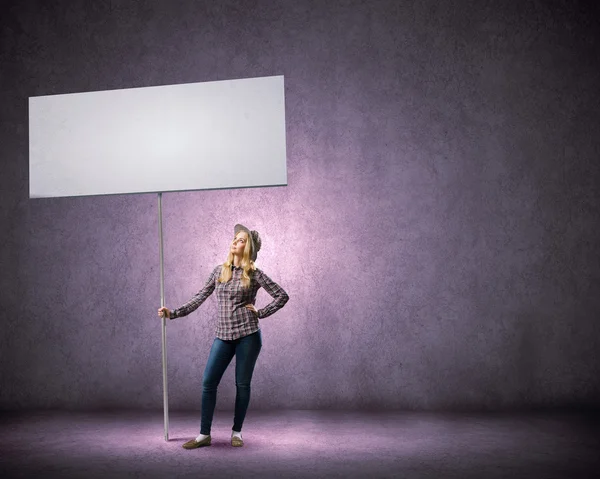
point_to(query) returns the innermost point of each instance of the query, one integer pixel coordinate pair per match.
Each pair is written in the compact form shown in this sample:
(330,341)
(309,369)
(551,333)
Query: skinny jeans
(246,351)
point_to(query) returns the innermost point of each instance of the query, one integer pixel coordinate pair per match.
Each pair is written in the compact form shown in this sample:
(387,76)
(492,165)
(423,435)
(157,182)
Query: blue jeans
(246,352)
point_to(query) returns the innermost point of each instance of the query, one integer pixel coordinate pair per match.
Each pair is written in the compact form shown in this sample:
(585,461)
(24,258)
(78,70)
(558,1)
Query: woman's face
(239,243)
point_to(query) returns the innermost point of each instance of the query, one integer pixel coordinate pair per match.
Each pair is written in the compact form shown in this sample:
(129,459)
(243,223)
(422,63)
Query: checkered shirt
(235,320)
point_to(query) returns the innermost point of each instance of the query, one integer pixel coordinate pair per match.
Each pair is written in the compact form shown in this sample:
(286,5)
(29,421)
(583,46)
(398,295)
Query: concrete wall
(438,237)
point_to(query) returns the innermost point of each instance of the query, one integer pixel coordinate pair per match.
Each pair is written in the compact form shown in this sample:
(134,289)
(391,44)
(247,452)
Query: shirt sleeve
(199,298)
(280,297)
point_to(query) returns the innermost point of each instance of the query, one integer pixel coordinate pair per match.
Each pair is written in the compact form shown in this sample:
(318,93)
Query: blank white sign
(221,134)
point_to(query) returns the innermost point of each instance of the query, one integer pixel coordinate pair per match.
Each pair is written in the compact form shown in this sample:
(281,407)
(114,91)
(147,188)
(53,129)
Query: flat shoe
(236,441)
(193,444)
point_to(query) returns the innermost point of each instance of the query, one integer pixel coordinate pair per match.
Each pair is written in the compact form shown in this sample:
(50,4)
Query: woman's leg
(220,356)
(246,354)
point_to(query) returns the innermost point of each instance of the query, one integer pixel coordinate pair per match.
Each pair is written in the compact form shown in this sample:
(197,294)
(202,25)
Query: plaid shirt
(235,320)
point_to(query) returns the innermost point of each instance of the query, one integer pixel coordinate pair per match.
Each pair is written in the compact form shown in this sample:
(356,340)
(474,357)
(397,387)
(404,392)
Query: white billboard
(220,134)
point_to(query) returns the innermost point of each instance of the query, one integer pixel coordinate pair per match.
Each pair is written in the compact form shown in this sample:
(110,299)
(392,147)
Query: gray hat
(255,241)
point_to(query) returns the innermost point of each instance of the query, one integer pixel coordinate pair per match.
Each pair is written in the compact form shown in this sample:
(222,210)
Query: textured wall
(438,237)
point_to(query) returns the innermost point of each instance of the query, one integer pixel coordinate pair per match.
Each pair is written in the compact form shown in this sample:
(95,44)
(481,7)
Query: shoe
(236,441)
(193,444)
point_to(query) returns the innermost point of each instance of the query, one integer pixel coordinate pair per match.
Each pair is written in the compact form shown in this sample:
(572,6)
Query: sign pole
(164,320)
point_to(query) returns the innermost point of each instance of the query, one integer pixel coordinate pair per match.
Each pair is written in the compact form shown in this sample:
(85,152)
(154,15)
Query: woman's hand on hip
(252,308)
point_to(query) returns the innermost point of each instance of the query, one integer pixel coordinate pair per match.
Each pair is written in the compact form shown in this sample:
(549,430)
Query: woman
(236,282)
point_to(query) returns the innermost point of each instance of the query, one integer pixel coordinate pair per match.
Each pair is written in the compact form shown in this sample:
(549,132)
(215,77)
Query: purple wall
(438,237)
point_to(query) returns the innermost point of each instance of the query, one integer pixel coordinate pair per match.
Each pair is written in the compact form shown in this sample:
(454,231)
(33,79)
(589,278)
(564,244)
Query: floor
(300,444)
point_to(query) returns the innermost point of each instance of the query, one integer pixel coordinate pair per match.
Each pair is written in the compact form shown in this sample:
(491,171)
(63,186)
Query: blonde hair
(247,265)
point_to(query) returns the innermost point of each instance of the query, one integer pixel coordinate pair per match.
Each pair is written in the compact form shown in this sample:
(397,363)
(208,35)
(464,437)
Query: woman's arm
(199,297)
(276,291)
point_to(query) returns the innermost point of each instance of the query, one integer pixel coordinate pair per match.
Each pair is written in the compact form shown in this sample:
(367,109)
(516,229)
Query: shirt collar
(235,267)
